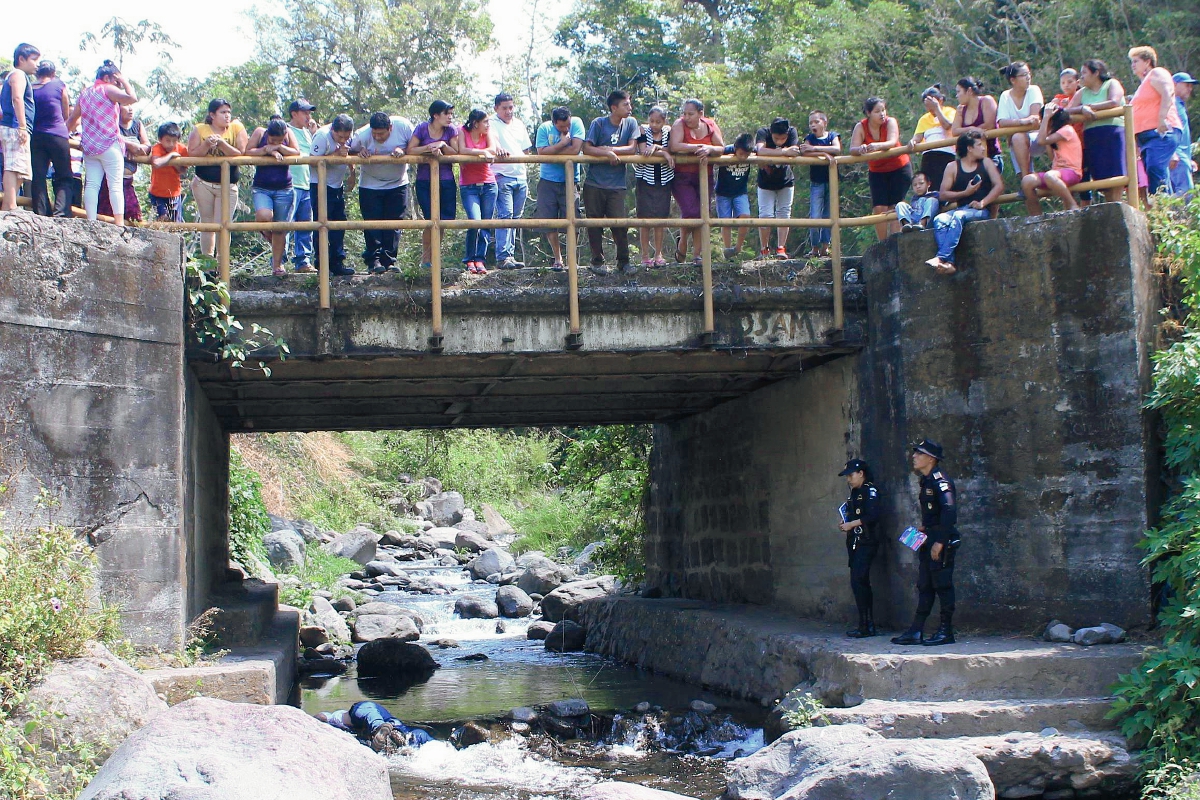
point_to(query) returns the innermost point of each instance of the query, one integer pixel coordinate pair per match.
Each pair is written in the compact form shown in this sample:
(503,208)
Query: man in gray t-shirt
(382,188)
(604,190)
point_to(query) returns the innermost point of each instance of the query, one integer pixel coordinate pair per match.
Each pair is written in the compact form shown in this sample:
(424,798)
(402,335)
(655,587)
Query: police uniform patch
(944,486)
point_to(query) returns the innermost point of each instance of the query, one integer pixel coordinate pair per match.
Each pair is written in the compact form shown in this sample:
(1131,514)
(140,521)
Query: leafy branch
(212,326)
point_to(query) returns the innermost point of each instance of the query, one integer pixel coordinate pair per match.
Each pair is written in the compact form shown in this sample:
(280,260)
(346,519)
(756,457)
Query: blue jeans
(818,208)
(947,229)
(1181,177)
(479,202)
(301,241)
(510,204)
(279,201)
(1156,150)
(366,717)
(920,208)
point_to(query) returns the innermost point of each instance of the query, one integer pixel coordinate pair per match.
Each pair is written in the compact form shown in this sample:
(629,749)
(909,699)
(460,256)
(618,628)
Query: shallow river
(671,750)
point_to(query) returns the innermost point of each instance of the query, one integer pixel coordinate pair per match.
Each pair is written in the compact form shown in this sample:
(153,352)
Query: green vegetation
(47,612)
(1159,703)
(212,326)
(808,711)
(321,571)
(248,521)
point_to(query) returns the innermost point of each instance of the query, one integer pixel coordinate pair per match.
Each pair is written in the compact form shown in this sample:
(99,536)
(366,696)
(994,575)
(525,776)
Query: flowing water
(669,748)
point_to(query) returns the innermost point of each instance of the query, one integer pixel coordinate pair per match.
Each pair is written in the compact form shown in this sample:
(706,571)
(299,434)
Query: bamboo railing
(570,225)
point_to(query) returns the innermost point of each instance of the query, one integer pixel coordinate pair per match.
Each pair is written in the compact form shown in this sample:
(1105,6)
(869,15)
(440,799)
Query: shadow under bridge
(507,357)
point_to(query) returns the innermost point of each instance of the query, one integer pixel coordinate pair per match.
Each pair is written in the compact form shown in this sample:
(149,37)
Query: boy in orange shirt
(166,188)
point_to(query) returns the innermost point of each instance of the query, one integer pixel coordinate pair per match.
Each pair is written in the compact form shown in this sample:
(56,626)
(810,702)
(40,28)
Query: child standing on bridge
(166,188)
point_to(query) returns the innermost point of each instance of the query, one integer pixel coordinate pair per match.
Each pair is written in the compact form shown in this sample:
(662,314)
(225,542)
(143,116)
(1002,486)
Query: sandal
(279,272)
(557,266)
(941,267)
(680,256)
(698,261)
(647,263)
(660,262)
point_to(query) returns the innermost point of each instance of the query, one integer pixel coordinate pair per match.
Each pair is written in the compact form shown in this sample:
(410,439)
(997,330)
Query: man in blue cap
(861,526)
(939,515)
(1182,165)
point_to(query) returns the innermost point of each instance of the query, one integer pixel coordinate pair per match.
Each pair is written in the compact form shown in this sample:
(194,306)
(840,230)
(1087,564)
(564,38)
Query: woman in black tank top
(974,183)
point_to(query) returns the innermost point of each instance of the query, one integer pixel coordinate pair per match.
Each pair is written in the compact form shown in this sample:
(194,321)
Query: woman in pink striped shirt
(101,141)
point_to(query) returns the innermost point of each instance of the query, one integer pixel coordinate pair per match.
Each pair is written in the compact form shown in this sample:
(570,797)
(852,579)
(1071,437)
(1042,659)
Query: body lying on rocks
(375,726)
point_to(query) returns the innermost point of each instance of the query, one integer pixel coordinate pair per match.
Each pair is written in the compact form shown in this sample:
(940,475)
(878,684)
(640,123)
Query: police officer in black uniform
(862,541)
(939,514)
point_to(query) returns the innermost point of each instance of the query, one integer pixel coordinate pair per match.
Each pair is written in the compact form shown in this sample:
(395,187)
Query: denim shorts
(732,207)
(278,201)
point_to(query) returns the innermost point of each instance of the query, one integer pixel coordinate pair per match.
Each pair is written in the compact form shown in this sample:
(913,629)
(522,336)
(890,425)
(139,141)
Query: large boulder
(394,659)
(852,761)
(445,508)
(306,529)
(359,545)
(583,562)
(566,637)
(1025,764)
(497,525)
(542,576)
(471,541)
(285,550)
(489,562)
(387,609)
(475,526)
(91,703)
(471,607)
(215,750)
(513,602)
(323,614)
(563,602)
(539,630)
(442,538)
(391,569)
(369,627)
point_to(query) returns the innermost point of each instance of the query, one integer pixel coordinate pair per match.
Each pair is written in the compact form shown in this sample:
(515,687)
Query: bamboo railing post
(708,334)
(323,236)
(1131,192)
(435,250)
(223,236)
(835,244)
(575,336)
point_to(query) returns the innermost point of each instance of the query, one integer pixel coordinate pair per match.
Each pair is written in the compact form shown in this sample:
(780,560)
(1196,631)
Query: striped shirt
(101,121)
(655,174)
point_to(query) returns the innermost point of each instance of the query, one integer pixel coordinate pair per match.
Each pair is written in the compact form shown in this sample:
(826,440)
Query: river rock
(313,636)
(1058,632)
(563,602)
(393,658)
(471,607)
(513,602)
(583,562)
(306,529)
(493,561)
(430,486)
(343,604)
(473,525)
(358,545)
(701,707)
(320,666)
(622,790)
(391,610)
(539,630)
(542,576)
(285,550)
(216,750)
(445,508)
(567,636)
(523,714)
(472,733)
(497,525)
(442,538)
(93,702)
(852,761)
(1105,633)
(528,557)
(471,542)
(570,707)
(390,568)
(369,627)
(324,614)
(1026,764)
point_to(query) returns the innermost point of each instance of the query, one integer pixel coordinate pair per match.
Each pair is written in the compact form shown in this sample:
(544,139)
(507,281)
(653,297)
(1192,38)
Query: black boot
(910,636)
(861,631)
(871,623)
(945,631)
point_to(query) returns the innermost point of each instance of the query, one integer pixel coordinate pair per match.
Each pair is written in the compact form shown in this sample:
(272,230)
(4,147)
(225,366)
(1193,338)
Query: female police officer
(862,541)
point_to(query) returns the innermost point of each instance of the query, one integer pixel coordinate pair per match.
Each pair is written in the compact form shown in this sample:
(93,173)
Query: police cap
(854,465)
(929,447)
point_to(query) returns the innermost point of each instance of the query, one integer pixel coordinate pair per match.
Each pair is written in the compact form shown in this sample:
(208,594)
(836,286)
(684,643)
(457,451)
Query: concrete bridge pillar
(1030,366)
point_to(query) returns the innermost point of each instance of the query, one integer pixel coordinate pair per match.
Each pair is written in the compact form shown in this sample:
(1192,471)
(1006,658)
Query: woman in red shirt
(889,177)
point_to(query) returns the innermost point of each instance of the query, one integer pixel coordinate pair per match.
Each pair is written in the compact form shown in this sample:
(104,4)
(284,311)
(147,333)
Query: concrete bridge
(1029,365)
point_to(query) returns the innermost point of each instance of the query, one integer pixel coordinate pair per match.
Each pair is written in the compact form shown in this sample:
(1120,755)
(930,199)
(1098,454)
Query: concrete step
(941,720)
(247,610)
(263,672)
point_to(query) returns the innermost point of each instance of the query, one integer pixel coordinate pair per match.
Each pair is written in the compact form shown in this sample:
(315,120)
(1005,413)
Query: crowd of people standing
(954,183)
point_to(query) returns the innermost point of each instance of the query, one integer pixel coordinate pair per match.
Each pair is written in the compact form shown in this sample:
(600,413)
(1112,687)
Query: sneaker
(765,253)
(426,265)
(600,269)
(510,263)
(391,268)
(730,252)
(906,227)
(342,270)
(377,268)
(382,739)
(781,253)
(306,269)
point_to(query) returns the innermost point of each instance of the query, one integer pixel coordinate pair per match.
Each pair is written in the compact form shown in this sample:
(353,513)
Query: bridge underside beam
(506,390)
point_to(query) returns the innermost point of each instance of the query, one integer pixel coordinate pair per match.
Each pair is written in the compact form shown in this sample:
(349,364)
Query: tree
(371,55)
(122,38)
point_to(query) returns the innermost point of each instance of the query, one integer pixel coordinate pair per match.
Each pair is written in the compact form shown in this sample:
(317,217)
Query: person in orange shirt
(1065,171)
(166,187)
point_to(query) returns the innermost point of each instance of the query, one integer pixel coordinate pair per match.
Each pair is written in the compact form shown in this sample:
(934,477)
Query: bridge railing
(572,222)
